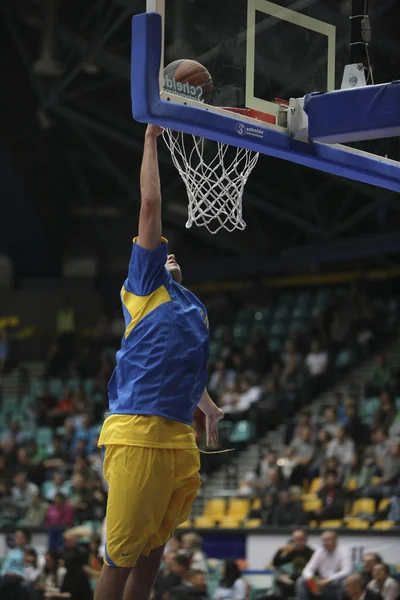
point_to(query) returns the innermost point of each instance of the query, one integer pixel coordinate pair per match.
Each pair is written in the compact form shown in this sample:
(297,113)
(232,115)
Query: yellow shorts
(150,493)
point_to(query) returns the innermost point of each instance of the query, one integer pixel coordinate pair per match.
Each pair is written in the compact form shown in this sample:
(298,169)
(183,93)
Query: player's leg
(111,583)
(143,575)
(138,498)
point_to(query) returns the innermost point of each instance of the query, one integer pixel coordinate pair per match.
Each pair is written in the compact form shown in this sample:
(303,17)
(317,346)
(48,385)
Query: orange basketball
(190,79)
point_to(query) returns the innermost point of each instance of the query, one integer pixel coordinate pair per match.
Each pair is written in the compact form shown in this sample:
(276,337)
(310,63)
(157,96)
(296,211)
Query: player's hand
(153,130)
(212,421)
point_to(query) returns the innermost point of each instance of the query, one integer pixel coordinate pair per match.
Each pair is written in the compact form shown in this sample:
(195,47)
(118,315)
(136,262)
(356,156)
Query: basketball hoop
(214,187)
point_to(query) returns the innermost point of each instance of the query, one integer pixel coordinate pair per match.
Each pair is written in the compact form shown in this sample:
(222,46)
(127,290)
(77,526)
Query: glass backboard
(256,50)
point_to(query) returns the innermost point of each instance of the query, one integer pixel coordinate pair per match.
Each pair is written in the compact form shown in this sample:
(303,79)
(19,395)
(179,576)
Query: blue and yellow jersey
(161,366)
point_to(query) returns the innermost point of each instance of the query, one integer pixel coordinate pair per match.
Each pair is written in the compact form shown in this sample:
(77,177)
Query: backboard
(272,57)
(256,50)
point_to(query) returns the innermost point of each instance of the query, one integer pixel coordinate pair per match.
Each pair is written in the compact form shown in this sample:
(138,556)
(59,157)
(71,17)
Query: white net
(215,187)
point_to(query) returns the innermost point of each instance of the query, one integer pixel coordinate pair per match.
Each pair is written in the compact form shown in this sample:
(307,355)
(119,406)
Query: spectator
(192,588)
(80,497)
(291,354)
(265,512)
(57,456)
(291,382)
(330,564)
(169,577)
(229,398)
(221,378)
(75,585)
(365,569)
(389,485)
(192,545)
(52,576)
(180,567)
(8,508)
(57,485)
(380,376)
(355,428)
(356,475)
(232,586)
(36,513)
(381,443)
(288,512)
(293,431)
(98,499)
(287,465)
(14,433)
(12,569)
(290,560)
(341,447)
(386,413)
(32,569)
(303,450)
(382,584)
(24,491)
(354,588)
(248,394)
(333,499)
(60,513)
(330,422)
(316,363)
(320,454)
(93,567)
(4,351)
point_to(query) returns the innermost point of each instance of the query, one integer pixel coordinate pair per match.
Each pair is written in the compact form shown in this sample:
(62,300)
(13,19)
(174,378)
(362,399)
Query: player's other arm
(213,416)
(150,211)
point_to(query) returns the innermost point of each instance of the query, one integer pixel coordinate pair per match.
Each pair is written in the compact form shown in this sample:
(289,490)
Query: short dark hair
(25,532)
(231,574)
(183,560)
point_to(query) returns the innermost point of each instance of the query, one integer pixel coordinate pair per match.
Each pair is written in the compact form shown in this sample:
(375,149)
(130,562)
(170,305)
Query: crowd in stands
(51,469)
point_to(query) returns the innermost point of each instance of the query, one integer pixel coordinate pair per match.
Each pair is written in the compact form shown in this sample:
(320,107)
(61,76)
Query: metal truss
(94,66)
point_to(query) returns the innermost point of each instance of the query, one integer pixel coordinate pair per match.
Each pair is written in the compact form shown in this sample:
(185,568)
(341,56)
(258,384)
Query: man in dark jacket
(290,561)
(288,512)
(194,587)
(333,498)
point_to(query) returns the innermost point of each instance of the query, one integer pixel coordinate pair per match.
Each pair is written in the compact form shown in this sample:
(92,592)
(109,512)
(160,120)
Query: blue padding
(147,107)
(353,115)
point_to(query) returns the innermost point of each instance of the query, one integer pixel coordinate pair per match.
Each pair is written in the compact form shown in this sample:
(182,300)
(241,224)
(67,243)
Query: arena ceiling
(67,127)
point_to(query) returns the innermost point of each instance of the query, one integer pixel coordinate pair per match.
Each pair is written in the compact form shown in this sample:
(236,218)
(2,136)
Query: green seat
(369,406)
(56,387)
(303,299)
(241,433)
(245,315)
(344,359)
(73,383)
(282,312)
(300,313)
(287,299)
(215,347)
(220,331)
(36,387)
(275,345)
(240,332)
(262,314)
(279,329)
(88,385)
(9,405)
(298,325)
(44,436)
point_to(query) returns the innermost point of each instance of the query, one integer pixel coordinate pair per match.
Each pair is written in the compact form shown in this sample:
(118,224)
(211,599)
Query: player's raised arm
(150,212)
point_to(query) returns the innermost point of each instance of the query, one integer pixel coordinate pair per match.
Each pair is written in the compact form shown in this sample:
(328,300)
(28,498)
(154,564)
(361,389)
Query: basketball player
(150,458)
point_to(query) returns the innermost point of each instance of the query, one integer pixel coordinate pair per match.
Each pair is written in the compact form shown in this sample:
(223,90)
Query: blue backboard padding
(147,107)
(356,114)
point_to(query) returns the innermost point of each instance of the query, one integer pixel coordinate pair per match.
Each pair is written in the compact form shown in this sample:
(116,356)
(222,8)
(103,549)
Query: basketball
(190,79)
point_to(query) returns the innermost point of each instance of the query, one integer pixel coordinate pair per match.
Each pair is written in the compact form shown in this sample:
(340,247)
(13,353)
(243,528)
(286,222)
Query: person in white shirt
(232,586)
(24,491)
(316,360)
(331,564)
(382,584)
(342,447)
